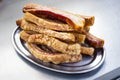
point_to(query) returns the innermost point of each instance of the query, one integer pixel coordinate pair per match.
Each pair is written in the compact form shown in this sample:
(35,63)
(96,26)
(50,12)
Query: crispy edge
(87,50)
(46,23)
(94,41)
(59,35)
(55,44)
(28,26)
(54,58)
(71,19)
(24,35)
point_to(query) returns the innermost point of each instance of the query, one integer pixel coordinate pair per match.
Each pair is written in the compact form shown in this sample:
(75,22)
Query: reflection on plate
(85,65)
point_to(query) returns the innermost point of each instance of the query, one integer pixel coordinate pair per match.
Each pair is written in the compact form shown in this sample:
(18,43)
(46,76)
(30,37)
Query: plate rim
(52,69)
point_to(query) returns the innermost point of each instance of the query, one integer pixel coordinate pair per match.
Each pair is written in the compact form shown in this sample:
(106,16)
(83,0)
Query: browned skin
(46,55)
(69,18)
(59,35)
(94,41)
(55,58)
(55,44)
(72,37)
(56,24)
(47,23)
(24,35)
(87,50)
(89,20)
(36,38)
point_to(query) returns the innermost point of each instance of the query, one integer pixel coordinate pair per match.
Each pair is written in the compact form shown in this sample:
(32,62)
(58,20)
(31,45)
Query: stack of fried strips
(57,36)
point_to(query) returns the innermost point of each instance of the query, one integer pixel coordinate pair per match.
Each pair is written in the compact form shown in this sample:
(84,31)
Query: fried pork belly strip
(80,38)
(89,21)
(32,27)
(94,41)
(73,20)
(47,23)
(55,58)
(55,25)
(55,44)
(84,50)
(87,50)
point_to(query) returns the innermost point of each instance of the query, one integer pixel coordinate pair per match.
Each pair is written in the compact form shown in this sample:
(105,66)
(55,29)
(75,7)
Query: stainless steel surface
(87,63)
(107,26)
(112,75)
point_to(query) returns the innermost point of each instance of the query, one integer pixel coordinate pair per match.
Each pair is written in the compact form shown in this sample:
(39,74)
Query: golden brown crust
(55,43)
(71,19)
(24,35)
(55,58)
(94,41)
(48,24)
(60,35)
(51,42)
(87,50)
(56,25)
(79,38)
(42,39)
(73,37)
(89,20)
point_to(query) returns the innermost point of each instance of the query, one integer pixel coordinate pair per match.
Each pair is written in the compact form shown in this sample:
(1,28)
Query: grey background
(107,26)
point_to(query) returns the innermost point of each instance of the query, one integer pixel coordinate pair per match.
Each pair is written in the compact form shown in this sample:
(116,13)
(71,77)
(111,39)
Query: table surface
(107,26)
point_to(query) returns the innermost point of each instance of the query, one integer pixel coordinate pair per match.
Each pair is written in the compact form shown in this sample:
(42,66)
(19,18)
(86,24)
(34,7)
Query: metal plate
(85,65)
